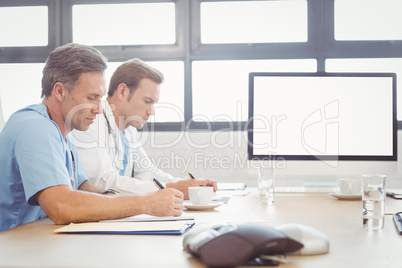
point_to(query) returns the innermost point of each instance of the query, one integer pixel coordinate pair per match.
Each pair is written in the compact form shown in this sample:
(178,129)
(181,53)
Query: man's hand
(182,186)
(63,205)
(167,202)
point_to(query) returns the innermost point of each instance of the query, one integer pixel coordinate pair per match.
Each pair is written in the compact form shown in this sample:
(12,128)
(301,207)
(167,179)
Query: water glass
(265,184)
(373,201)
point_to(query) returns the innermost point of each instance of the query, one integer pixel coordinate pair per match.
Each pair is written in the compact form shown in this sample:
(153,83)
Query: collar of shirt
(114,139)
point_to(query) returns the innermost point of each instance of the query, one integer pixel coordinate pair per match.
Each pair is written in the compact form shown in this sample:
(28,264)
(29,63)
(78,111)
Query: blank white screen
(323,116)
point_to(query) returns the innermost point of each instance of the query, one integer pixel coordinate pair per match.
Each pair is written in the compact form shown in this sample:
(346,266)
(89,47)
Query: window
(368,20)
(171,100)
(220,88)
(17,93)
(124,24)
(29,26)
(253,22)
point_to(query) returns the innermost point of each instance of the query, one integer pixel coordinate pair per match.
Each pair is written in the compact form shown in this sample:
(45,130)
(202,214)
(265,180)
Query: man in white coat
(110,152)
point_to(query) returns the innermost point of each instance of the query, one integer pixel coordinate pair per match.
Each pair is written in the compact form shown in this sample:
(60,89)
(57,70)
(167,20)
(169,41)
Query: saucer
(346,196)
(211,206)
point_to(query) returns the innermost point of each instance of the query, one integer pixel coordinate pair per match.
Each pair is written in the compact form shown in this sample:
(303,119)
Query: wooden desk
(35,244)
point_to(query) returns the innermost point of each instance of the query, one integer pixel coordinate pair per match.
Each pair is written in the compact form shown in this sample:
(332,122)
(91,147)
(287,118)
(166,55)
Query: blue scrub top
(34,156)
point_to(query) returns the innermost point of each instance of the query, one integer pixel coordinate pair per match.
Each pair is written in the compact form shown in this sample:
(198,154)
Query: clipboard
(128,228)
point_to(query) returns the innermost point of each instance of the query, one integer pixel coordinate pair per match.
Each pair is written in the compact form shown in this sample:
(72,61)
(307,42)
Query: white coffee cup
(201,196)
(350,186)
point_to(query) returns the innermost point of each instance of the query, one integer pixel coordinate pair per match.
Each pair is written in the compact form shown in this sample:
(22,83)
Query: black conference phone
(232,245)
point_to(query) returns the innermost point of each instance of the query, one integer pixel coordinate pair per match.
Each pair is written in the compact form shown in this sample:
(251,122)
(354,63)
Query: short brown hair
(131,73)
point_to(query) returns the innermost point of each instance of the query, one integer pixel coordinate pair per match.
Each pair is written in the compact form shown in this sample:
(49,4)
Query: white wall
(223,156)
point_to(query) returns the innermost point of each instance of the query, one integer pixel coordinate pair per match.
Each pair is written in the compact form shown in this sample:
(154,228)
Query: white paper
(148,218)
(121,227)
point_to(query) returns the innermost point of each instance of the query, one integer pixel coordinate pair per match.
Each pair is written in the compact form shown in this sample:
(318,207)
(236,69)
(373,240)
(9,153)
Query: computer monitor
(332,118)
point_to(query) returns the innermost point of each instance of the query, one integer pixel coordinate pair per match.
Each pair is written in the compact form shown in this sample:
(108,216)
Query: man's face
(81,106)
(136,111)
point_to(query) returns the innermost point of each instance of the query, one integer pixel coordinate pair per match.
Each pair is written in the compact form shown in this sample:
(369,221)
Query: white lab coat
(101,153)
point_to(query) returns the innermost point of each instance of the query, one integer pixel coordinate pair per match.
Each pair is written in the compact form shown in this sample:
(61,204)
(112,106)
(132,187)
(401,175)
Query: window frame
(321,45)
(124,52)
(33,54)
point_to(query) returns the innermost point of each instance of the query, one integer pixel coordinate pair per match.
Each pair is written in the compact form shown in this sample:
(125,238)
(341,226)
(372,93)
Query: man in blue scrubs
(40,173)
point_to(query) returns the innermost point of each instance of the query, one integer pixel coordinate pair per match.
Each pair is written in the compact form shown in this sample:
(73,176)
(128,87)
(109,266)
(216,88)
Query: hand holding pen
(208,182)
(166,202)
(182,185)
(191,176)
(158,184)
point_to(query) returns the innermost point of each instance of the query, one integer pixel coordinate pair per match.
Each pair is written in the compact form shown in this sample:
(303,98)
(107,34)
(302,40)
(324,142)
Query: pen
(398,222)
(158,184)
(191,176)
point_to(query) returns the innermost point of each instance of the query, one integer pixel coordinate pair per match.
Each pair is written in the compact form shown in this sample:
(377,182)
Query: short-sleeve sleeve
(40,152)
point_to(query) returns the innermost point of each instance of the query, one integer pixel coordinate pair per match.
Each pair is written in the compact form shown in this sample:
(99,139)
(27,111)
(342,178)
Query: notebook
(148,218)
(132,228)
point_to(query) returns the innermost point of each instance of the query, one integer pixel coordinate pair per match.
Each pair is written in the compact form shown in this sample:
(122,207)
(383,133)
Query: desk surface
(35,244)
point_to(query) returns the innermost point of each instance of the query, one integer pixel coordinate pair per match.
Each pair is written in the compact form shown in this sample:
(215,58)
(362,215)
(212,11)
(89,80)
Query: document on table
(231,186)
(148,218)
(232,189)
(151,228)
(224,193)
